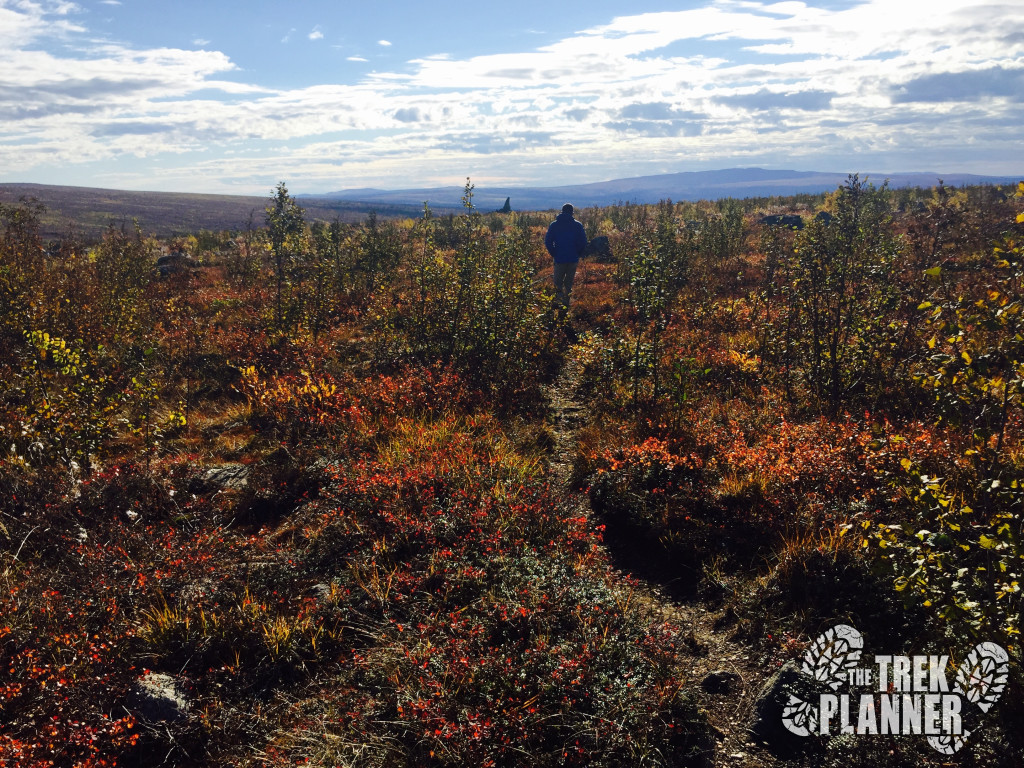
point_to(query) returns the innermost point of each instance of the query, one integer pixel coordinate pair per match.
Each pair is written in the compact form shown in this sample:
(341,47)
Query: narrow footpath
(721,672)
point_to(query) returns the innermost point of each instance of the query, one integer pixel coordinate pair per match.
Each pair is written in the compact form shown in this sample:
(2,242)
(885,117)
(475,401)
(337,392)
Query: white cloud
(200,41)
(24,22)
(385,43)
(641,93)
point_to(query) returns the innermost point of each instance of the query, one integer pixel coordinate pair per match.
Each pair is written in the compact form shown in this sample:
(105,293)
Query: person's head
(567,208)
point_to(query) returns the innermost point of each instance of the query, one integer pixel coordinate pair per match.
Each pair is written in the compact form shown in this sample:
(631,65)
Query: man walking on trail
(566,241)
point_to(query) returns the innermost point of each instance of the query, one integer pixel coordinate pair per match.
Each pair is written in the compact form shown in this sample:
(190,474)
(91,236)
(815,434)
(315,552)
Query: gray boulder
(790,221)
(175,263)
(599,247)
(157,698)
(767,724)
(221,478)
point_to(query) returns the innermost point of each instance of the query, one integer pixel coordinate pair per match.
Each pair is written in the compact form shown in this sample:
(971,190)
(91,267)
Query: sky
(232,96)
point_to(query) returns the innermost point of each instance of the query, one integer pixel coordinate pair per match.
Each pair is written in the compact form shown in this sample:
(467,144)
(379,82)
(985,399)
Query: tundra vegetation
(304,474)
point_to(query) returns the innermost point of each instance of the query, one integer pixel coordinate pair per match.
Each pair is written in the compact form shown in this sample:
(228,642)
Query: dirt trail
(708,638)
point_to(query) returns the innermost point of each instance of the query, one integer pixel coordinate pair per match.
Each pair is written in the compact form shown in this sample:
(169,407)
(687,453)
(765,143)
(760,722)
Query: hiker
(566,241)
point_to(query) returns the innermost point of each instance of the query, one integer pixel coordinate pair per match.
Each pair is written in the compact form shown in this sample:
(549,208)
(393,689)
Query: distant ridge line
(88,211)
(686,185)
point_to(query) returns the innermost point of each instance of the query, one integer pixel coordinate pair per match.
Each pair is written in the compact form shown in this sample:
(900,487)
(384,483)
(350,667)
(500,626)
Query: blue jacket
(566,239)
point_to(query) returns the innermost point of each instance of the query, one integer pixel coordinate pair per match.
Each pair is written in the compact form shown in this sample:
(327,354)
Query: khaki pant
(565,273)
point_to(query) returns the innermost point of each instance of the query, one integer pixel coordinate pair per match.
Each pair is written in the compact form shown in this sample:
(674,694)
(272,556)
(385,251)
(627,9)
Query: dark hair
(567,208)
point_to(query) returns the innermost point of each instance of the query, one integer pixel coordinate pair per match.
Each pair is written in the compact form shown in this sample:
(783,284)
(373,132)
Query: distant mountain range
(693,185)
(88,212)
